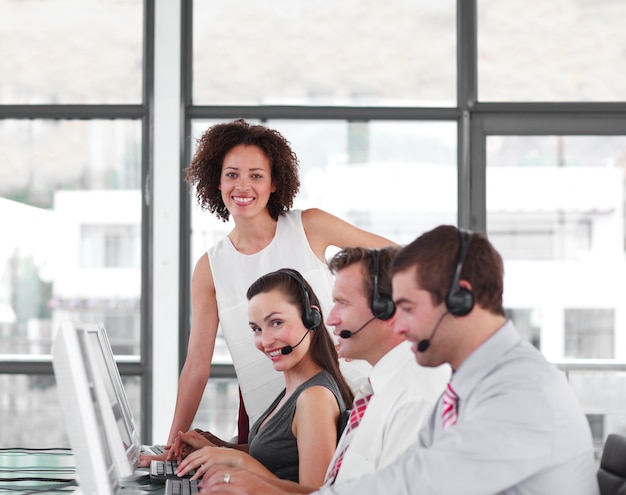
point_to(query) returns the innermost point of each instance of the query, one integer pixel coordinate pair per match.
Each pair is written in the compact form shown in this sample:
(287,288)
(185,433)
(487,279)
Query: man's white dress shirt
(404,395)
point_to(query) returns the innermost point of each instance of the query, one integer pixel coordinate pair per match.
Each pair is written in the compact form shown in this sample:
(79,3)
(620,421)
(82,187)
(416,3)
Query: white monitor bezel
(96,471)
(113,381)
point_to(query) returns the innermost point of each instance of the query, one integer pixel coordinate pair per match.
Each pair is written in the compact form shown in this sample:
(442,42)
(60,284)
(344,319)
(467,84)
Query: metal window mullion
(469,187)
(295,112)
(548,124)
(71,111)
(146,303)
(186,85)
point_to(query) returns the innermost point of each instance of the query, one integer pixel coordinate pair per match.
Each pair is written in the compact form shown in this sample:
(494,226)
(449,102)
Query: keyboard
(152,449)
(181,486)
(164,470)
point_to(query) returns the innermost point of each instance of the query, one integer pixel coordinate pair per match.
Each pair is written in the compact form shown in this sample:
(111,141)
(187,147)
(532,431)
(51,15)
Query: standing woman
(295,438)
(250,172)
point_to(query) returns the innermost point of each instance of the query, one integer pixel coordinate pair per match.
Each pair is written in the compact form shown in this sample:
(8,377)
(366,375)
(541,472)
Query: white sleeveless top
(233,272)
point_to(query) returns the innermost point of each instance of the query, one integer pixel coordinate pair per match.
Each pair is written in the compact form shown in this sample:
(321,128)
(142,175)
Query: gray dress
(274,445)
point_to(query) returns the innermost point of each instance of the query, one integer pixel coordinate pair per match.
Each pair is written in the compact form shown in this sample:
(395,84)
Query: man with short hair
(404,392)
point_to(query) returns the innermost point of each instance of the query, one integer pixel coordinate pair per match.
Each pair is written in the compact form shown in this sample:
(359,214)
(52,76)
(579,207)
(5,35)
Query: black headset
(311,317)
(382,305)
(460,301)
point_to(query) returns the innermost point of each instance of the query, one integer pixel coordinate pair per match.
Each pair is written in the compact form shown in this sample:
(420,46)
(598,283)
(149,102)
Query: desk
(30,471)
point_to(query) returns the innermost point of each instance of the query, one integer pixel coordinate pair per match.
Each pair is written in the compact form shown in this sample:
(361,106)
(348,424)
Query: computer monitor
(79,387)
(104,363)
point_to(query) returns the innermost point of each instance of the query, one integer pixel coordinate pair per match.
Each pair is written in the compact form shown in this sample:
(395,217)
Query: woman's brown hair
(297,290)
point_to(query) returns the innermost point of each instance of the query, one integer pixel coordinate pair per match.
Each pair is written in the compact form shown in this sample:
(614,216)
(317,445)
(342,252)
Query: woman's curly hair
(205,169)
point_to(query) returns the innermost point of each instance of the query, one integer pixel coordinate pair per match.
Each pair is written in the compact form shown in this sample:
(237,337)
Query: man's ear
(465,284)
(391,321)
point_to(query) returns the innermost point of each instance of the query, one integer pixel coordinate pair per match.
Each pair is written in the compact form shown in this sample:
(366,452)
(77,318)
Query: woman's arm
(197,367)
(196,439)
(315,428)
(323,229)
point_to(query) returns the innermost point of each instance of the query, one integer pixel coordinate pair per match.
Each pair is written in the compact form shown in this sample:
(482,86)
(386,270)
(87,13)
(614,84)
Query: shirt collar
(484,359)
(387,366)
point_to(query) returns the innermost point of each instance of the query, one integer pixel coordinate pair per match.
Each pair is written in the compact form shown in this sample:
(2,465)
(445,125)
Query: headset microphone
(288,349)
(459,301)
(346,334)
(423,345)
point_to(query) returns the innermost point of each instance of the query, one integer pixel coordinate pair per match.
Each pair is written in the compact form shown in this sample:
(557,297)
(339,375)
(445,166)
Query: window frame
(42,365)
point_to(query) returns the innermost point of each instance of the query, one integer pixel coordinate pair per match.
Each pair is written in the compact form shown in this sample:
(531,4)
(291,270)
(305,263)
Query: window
(596,422)
(110,246)
(569,50)
(72,199)
(348,53)
(528,324)
(100,61)
(73,147)
(413,163)
(589,333)
(555,211)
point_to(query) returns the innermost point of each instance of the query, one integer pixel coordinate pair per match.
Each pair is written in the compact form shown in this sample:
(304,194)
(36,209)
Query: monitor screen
(84,418)
(105,365)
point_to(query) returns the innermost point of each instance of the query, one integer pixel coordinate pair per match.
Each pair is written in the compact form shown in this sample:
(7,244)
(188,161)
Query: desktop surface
(31,470)
(53,471)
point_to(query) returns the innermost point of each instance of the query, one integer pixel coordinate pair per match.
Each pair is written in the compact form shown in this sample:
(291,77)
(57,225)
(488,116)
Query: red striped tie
(357,412)
(450,401)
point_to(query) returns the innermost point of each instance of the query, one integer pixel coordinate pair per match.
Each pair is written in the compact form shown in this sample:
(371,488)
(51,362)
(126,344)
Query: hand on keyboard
(145,459)
(202,459)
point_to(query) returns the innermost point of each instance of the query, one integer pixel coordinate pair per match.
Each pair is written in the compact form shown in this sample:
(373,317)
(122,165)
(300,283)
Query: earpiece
(382,306)
(311,317)
(460,301)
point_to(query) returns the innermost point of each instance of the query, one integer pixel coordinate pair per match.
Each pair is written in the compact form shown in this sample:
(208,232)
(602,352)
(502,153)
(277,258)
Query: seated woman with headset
(296,437)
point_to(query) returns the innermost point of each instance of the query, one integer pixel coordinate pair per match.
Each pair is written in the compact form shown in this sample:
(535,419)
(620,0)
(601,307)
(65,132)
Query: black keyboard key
(181,487)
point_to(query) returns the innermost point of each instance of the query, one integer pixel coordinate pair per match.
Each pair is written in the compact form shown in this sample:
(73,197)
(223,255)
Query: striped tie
(358,410)
(450,401)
